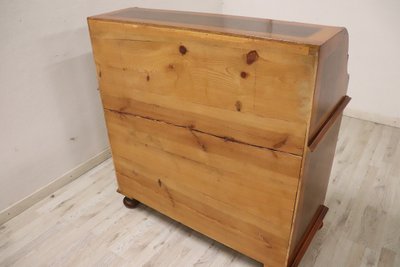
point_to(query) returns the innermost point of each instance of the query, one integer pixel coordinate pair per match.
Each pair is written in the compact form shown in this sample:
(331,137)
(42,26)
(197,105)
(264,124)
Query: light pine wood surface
(85,223)
(211,86)
(220,131)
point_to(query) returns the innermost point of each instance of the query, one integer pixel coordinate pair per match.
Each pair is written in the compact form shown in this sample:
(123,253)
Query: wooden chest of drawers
(225,124)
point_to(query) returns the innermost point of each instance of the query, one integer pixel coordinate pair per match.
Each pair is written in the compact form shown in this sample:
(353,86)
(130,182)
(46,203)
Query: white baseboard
(50,188)
(390,121)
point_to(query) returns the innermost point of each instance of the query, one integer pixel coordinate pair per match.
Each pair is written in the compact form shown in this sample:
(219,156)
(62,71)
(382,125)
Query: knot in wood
(252,56)
(238,105)
(182,49)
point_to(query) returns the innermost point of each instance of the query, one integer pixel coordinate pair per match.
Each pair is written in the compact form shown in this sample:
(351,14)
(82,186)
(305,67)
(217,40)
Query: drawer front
(240,195)
(254,91)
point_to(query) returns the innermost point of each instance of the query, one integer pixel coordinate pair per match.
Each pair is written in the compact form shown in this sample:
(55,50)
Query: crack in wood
(267,244)
(282,142)
(162,185)
(203,146)
(192,129)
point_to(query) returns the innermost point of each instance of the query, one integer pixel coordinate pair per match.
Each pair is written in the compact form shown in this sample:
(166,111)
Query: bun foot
(130,203)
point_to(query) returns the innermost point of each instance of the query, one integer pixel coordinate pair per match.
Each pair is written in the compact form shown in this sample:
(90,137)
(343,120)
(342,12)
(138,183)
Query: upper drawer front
(254,91)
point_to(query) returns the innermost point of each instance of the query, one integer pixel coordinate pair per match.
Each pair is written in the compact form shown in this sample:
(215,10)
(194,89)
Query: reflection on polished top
(236,25)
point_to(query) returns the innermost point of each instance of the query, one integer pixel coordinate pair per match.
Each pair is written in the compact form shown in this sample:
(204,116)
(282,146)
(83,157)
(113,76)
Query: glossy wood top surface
(226,24)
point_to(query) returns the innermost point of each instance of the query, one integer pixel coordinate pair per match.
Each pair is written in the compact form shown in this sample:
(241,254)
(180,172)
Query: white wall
(374,63)
(50,111)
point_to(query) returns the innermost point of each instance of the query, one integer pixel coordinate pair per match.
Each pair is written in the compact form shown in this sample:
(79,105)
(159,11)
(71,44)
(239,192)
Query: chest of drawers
(225,124)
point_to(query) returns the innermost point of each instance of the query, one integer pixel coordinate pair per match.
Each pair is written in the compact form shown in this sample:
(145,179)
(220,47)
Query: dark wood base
(315,224)
(130,203)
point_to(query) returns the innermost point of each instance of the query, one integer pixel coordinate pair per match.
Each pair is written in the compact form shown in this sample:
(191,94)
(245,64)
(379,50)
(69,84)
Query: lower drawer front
(240,195)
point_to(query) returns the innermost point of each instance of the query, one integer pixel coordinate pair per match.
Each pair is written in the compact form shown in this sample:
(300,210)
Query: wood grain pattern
(150,70)
(201,180)
(211,127)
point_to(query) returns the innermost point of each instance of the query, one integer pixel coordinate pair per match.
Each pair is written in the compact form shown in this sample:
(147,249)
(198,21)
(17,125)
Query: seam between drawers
(193,130)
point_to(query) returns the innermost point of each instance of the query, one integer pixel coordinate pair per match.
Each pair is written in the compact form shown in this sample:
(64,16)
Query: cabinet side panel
(332,79)
(331,87)
(317,169)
